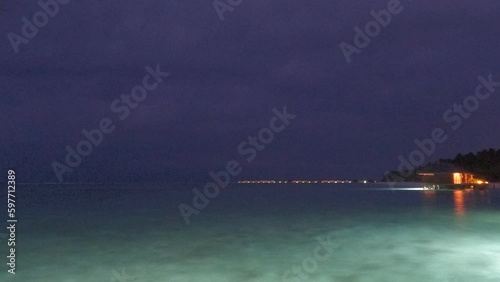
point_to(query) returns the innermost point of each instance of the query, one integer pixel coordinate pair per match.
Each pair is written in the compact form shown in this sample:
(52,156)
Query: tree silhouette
(484,164)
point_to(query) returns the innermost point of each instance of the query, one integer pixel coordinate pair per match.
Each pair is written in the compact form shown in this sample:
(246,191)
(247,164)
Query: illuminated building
(451,180)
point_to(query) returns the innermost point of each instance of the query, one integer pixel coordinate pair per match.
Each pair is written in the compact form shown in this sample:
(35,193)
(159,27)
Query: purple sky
(353,120)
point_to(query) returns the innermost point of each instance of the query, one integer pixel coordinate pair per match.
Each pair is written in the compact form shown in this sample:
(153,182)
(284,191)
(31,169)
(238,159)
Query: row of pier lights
(302,181)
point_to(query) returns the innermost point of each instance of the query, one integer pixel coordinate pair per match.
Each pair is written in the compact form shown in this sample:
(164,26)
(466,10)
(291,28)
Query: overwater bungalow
(450,178)
(451,181)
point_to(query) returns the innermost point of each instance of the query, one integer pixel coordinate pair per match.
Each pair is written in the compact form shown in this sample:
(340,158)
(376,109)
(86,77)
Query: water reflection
(458,199)
(464,201)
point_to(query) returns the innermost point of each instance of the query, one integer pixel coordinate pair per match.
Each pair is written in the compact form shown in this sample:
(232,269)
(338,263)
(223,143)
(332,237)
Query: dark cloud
(226,77)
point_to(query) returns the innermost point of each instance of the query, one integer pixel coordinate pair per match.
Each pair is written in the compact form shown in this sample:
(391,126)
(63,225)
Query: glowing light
(457,178)
(400,189)
(409,189)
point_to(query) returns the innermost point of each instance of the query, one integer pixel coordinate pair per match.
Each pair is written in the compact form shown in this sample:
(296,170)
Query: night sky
(353,120)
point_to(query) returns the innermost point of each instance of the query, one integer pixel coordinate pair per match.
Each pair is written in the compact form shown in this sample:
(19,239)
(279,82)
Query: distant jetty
(304,181)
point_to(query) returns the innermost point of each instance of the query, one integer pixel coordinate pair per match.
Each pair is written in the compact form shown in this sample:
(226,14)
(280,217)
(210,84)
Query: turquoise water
(344,233)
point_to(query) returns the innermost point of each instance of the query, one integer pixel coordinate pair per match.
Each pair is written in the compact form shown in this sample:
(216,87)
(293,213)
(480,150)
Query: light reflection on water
(458,200)
(463,201)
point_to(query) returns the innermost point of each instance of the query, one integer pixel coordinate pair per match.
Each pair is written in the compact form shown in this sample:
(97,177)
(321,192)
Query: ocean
(255,233)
